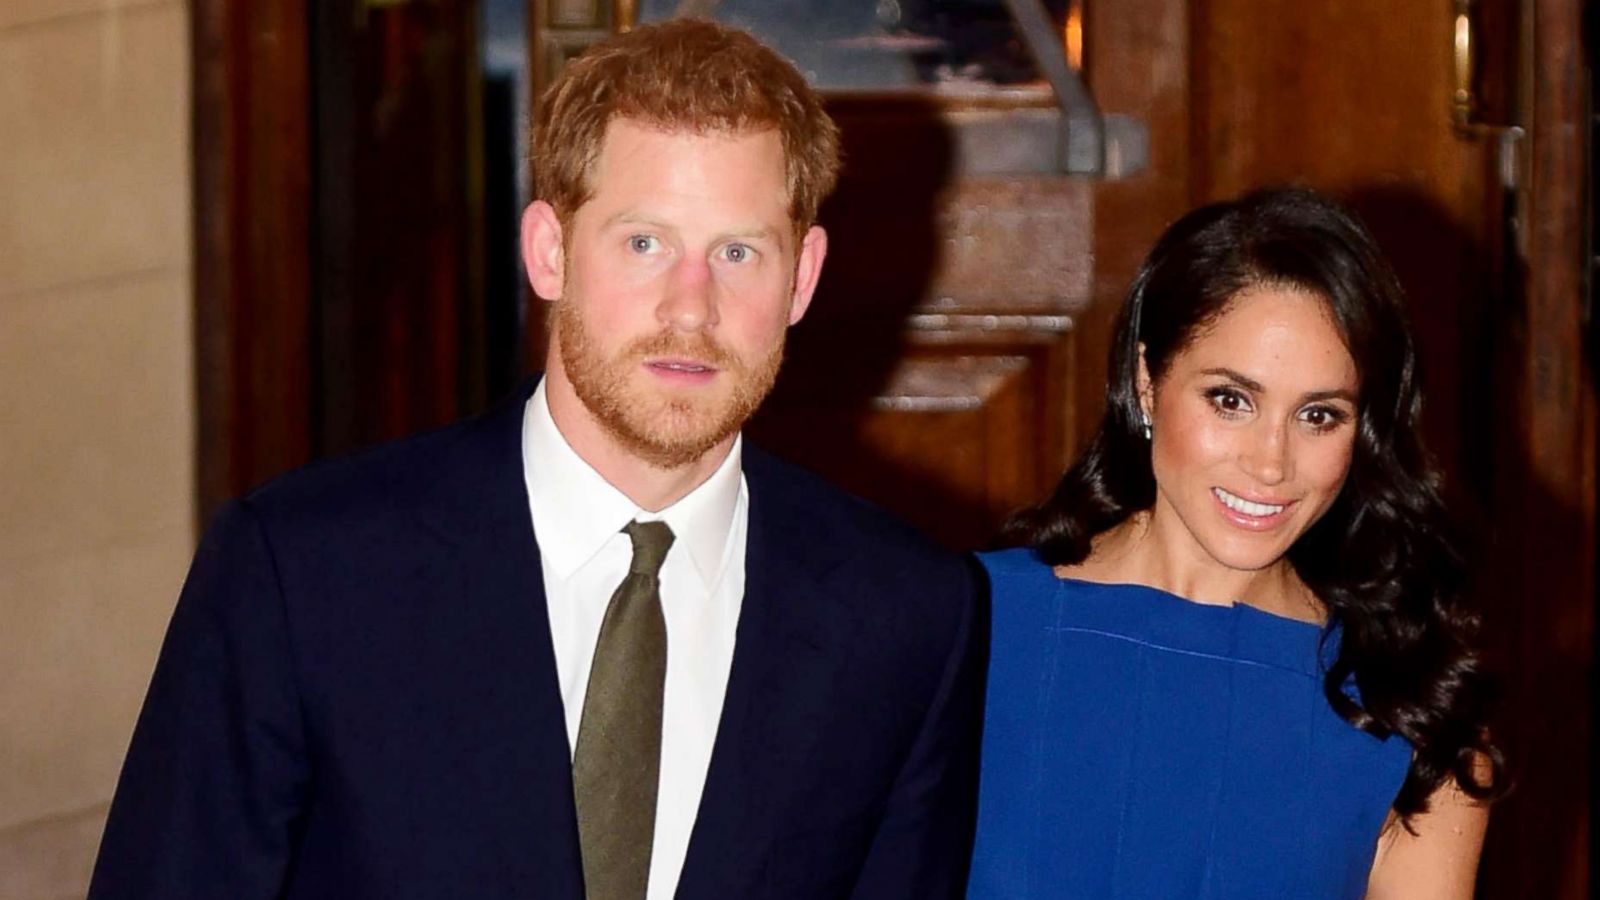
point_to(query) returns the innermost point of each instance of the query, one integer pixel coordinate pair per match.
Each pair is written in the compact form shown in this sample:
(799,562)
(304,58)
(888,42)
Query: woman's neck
(1141,551)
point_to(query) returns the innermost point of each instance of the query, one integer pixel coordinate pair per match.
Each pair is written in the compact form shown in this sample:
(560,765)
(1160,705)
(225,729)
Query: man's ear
(1147,399)
(543,252)
(808,271)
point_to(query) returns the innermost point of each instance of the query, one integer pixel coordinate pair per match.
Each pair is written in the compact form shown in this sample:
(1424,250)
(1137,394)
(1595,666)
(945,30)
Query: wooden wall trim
(1139,63)
(251,119)
(1548,500)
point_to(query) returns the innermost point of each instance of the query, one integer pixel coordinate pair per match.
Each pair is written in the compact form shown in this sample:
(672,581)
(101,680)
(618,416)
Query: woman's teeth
(1239,504)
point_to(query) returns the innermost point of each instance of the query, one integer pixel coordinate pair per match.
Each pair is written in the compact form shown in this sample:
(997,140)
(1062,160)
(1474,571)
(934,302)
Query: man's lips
(678,369)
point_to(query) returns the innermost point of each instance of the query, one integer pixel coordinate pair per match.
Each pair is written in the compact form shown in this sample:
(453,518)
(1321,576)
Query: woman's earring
(1144,425)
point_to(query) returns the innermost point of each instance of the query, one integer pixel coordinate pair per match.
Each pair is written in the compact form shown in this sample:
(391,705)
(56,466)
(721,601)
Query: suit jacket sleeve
(215,778)
(923,845)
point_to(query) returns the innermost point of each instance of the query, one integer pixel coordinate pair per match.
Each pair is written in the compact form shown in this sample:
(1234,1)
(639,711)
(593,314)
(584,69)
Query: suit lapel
(786,657)
(784,661)
(504,583)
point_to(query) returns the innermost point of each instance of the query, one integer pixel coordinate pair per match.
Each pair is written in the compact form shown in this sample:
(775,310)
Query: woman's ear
(1147,397)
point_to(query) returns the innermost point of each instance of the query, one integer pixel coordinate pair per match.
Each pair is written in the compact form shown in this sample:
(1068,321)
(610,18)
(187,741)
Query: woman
(1231,663)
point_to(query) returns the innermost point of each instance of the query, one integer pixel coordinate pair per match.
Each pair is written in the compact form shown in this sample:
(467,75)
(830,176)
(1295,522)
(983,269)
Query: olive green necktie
(618,758)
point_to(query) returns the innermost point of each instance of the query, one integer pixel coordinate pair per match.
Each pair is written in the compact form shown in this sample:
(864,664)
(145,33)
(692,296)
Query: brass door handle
(625,14)
(1462,99)
(1464,109)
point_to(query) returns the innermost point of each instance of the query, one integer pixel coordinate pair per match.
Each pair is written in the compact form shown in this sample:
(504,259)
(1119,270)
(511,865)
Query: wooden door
(934,372)
(1355,98)
(397,251)
(340,218)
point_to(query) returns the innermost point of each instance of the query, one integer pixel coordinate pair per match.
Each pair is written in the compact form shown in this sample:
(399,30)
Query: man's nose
(689,302)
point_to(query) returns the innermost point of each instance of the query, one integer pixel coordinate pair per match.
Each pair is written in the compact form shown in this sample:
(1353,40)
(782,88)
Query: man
(587,643)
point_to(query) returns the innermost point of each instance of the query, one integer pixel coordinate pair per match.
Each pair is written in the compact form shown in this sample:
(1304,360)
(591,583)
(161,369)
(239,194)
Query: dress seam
(1130,794)
(1077,629)
(1046,696)
(1208,887)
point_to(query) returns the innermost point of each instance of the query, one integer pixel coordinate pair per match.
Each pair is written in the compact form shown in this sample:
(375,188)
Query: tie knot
(651,540)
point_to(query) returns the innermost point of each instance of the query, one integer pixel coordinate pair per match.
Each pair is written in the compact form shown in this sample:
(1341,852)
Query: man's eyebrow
(757,232)
(763,232)
(1250,384)
(632,218)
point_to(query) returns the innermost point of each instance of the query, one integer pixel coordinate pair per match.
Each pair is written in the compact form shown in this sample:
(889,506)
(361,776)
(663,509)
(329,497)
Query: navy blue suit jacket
(357,698)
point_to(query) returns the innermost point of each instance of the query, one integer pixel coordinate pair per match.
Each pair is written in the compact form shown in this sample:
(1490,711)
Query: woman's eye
(1228,401)
(641,243)
(1323,418)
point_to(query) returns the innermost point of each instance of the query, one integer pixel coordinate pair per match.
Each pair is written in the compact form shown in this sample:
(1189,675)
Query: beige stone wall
(96,407)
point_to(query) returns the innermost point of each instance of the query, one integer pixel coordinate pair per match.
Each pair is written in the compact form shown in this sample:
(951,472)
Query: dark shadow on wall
(1521,534)
(883,250)
(1452,291)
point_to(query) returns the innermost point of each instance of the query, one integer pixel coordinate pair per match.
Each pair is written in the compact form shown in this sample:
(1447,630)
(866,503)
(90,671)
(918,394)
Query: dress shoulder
(1018,570)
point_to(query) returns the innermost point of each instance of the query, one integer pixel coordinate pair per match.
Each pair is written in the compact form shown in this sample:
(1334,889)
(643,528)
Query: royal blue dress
(1140,745)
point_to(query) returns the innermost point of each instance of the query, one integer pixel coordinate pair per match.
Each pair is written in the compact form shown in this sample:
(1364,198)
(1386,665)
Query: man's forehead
(631,127)
(639,160)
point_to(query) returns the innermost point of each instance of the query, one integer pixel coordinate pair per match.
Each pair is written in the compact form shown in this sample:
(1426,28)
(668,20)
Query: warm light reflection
(1073,32)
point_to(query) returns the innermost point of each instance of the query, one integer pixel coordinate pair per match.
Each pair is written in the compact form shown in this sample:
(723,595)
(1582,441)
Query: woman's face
(1253,425)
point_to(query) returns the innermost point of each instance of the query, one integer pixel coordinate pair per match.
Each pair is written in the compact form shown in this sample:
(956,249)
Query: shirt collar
(575,510)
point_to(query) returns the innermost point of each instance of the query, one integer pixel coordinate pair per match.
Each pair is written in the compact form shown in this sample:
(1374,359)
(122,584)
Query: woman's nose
(1267,457)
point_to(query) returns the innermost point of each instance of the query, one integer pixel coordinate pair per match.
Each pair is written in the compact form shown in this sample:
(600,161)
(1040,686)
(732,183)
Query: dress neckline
(1026,585)
(1231,605)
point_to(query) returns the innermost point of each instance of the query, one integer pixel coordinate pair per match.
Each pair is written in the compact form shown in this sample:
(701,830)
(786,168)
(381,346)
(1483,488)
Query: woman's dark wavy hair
(1382,559)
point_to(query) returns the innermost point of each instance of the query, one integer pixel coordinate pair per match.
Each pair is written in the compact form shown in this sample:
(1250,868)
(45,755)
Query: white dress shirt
(578,518)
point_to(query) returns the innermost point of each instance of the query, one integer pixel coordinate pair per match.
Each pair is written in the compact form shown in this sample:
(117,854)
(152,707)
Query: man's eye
(641,243)
(738,253)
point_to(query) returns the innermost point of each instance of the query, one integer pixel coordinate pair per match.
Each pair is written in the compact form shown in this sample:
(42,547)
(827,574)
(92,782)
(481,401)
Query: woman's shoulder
(1022,572)
(1026,595)
(1017,570)
(1012,559)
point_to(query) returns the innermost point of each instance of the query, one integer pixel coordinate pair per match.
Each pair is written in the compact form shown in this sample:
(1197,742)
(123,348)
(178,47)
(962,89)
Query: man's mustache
(699,347)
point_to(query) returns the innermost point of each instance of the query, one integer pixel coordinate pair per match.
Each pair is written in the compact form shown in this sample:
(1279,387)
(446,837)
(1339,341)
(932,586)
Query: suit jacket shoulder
(451,471)
(839,528)
(856,701)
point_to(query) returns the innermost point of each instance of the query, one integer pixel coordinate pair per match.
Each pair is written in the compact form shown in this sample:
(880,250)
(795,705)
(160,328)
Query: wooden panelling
(969,245)
(1137,64)
(398,260)
(934,372)
(962,432)
(339,288)
(1540,839)
(1354,98)
(562,29)
(252,252)
(577,13)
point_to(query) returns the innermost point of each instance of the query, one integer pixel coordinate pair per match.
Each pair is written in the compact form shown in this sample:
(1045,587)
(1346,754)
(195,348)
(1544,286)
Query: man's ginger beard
(667,432)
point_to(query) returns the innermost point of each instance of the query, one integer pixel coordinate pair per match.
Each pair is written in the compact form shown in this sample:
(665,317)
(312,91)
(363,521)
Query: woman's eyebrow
(1250,384)
(1335,394)
(1235,377)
